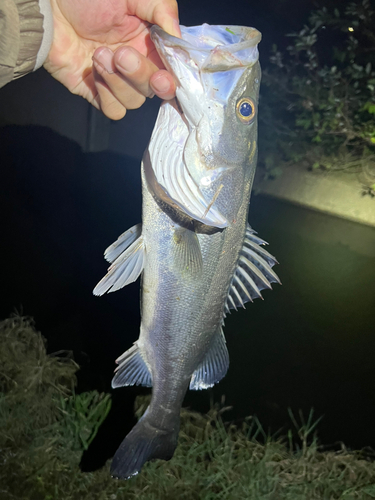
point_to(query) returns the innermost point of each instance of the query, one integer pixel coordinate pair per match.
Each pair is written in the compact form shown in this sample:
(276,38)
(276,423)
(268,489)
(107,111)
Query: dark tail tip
(143,443)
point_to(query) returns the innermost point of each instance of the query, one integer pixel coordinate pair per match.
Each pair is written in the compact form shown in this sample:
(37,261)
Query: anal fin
(132,369)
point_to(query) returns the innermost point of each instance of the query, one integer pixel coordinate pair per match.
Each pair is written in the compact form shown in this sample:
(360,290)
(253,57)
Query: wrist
(46,11)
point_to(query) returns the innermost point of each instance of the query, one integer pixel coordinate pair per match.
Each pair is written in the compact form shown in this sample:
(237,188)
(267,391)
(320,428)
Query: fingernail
(161,84)
(128,60)
(104,58)
(176,26)
(172,27)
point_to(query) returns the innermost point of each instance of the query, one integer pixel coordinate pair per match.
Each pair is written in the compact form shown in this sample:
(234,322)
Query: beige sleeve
(21,35)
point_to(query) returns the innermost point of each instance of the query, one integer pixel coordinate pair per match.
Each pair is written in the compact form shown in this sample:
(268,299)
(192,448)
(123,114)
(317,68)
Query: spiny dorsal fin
(124,269)
(132,369)
(254,272)
(263,260)
(214,365)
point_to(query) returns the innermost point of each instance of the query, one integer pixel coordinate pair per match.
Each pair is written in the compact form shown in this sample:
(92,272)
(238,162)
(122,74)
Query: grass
(45,427)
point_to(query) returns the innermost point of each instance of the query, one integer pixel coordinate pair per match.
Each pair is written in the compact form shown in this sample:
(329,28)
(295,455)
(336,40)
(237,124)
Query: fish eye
(245,109)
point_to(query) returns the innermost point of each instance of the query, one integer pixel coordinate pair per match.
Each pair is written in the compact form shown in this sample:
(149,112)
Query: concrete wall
(335,193)
(38,99)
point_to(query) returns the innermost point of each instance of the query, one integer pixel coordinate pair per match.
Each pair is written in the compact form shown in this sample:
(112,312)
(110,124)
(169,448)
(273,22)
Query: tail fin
(143,443)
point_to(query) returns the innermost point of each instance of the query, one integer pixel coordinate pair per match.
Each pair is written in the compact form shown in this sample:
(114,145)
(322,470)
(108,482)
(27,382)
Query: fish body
(195,250)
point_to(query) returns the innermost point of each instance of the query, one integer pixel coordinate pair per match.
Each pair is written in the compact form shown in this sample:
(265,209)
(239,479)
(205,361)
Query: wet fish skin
(195,253)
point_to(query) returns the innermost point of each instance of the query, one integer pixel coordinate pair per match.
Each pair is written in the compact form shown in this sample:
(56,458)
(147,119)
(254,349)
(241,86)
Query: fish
(197,256)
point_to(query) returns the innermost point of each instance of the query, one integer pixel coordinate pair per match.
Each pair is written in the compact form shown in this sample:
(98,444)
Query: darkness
(310,343)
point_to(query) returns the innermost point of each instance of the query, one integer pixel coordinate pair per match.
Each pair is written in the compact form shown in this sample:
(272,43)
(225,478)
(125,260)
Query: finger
(122,89)
(161,12)
(143,75)
(163,84)
(135,68)
(108,103)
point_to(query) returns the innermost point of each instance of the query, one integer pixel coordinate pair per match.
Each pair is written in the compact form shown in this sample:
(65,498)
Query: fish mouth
(206,37)
(213,48)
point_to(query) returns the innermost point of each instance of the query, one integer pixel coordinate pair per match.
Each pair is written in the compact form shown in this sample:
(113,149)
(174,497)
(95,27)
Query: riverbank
(45,428)
(338,193)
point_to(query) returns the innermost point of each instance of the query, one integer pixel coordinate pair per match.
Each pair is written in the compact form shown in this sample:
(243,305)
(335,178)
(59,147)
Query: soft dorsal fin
(214,365)
(254,272)
(132,369)
(128,262)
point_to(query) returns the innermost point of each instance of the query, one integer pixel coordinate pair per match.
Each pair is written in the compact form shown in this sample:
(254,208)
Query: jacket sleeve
(26,29)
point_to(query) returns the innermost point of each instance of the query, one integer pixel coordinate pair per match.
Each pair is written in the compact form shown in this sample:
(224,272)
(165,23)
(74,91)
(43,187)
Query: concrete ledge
(335,193)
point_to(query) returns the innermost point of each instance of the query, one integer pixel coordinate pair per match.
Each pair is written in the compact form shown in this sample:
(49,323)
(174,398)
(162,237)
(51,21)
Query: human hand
(102,51)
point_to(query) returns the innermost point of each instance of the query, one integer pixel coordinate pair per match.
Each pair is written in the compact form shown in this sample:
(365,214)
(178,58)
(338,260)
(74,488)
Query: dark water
(310,343)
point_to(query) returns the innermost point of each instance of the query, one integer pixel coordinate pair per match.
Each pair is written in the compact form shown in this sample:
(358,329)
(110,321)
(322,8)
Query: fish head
(217,77)
(217,73)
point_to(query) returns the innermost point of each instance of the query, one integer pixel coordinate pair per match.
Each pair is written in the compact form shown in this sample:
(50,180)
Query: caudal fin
(143,443)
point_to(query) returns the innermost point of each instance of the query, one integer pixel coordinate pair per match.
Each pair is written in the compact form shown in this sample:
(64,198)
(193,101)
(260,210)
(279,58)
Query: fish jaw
(206,64)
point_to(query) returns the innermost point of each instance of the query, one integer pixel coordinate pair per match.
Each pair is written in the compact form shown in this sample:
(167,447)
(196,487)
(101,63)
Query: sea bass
(197,254)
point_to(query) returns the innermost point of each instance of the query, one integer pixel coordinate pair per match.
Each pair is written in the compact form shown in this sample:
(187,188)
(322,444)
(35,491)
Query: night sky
(60,207)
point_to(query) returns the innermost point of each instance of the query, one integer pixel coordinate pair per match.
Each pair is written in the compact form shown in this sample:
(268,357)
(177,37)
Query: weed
(45,427)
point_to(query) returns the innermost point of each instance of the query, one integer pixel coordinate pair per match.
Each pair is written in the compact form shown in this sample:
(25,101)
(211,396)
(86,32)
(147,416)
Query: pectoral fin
(187,255)
(214,366)
(127,263)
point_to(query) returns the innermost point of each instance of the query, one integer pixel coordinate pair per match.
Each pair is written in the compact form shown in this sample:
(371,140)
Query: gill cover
(181,164)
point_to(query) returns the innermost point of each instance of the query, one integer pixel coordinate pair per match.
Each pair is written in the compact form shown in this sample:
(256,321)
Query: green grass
(45,427)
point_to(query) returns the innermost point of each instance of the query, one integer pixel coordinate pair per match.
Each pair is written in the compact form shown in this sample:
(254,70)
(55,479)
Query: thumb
(164,13)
